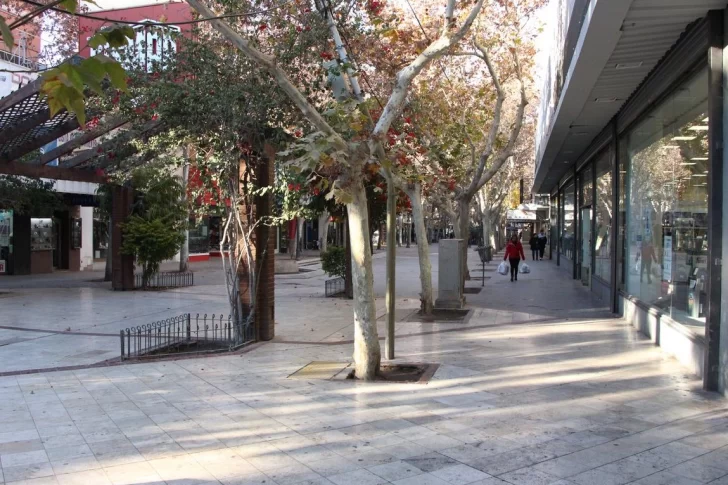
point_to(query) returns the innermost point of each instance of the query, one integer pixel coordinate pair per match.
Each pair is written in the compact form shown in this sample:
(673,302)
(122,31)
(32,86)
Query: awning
(519,215)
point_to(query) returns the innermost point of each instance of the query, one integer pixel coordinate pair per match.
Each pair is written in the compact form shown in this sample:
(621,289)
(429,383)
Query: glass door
(586,244)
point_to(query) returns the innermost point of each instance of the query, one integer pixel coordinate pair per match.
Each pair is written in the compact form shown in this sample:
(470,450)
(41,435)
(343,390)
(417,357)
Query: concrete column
(87,238)
(450,283)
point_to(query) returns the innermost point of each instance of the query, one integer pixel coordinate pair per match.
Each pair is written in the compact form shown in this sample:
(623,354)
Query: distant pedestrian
(533,242)
(542,240)
(514,255)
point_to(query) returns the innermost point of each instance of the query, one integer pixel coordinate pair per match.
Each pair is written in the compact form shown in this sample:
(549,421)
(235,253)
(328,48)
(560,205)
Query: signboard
(667,259)
(48,147)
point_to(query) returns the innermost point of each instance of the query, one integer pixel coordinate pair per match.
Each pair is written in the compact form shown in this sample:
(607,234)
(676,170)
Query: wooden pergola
(26,125)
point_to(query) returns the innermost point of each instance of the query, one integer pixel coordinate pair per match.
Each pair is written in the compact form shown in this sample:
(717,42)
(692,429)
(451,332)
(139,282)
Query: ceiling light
(628,65)
(683,138)
(699,128)
(706,120)
(688,164)
(670,146)
(700,175)
(700,159)
(605,100)
(580,133)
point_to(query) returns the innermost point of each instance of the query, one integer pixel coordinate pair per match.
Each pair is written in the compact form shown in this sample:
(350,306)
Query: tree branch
(405,77)
(507,152)
(495,125)
(268,63)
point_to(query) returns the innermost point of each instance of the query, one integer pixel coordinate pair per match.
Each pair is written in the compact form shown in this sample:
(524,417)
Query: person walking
(533,242)
(542,240)
(514,254)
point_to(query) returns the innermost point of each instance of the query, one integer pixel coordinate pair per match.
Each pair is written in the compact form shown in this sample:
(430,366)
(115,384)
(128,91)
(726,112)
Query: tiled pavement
(537,387)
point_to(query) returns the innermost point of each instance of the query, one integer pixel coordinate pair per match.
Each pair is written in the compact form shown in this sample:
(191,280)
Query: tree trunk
(391,265)
(184,252)
(323,228)
(109,258)
(414,192)
(367,353)
(380,237)
(463,223)
(300,245)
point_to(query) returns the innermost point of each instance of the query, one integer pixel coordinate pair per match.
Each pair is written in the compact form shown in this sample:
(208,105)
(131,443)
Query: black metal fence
(335,286)
(172,279)
(185,334)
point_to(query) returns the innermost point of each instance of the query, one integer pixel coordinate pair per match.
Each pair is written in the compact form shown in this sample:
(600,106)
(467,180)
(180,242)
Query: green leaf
(69,5)
(78,107)
(7,34)
(117,75)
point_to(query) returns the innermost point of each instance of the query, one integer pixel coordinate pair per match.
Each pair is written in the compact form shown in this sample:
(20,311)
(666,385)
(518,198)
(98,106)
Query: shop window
(568,223)
(199,236)
(666,242)
(585,221)
(604,212)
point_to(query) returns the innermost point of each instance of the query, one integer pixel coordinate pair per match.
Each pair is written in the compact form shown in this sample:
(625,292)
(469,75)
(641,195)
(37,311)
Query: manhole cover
(320,370)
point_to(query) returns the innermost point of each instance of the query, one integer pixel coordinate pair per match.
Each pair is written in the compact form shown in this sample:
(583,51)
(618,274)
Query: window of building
(568,223)
(604,211)
(666,242)
(586,181)
(554,226)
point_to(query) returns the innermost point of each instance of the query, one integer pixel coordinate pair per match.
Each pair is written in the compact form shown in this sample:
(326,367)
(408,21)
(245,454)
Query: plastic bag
(504,268)
(524,268)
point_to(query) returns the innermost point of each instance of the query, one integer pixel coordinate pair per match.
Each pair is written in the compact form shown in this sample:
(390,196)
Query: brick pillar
(122,266)
(263,249)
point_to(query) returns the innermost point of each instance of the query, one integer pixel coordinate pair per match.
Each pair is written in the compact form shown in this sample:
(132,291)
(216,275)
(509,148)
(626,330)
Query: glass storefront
(567,235)
(666,205)
(585,223)
(603,213)
(554,226)
(199,236)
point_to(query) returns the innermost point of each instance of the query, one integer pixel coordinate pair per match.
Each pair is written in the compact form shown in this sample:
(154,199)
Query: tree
(27,196)
(351,150)
(153,232)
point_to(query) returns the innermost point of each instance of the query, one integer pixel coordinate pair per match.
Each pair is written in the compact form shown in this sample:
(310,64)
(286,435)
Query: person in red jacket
(514,255)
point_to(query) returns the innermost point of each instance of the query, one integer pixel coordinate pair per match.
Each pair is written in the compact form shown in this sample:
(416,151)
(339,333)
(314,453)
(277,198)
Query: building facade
(630,147)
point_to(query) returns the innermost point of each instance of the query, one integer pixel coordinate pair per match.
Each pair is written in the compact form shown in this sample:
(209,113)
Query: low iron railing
(171,279)
(185,334)
(335,286)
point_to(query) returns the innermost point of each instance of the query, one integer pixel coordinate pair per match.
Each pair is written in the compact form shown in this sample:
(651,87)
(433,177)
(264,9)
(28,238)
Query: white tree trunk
(184,252)
(109,256)
(323,228)
(414,192)
(463,223)
(300,244)
(367,353)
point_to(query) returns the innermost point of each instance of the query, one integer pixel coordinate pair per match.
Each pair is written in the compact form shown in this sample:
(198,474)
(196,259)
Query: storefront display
(6,233)
(41,234)
(666,199)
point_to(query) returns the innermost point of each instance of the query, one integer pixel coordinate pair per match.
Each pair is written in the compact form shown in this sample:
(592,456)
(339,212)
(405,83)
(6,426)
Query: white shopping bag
(504,268)
(524,268)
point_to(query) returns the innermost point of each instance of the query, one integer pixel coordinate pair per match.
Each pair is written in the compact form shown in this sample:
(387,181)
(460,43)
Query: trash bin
(486,253)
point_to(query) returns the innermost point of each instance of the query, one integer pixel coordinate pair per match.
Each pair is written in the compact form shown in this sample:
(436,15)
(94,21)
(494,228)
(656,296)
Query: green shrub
(333,261)
(151,241)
